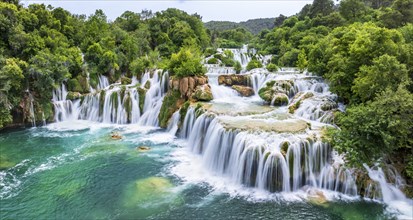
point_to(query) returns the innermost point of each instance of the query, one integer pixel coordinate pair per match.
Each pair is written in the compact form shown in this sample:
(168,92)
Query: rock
(279,99)
(125,80)
(234,79)
(147,85)
(316,197)
(245,91)
(203,93)
(201,80)
(191,83)
(328,105)
(183,86)
(115,136)
(73,95)
(143,148)
(175,84)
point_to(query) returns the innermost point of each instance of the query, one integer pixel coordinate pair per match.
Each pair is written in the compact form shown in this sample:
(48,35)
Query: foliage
(272,67)
(186,62)
(237,67)
(254,26)
(213,60)
(379,127)
(302,62)
(254,63)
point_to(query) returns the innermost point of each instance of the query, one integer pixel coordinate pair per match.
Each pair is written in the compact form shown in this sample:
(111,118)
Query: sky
(217,10)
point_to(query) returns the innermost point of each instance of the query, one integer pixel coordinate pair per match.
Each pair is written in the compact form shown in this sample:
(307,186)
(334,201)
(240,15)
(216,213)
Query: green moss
(128,107)
(101,101)
(114,98)
(147,85)
(266,93)
(284,147)
(170,104)
(73,95)
(125,80)
(183,111)
(294,107)
(142,94)
(122,92)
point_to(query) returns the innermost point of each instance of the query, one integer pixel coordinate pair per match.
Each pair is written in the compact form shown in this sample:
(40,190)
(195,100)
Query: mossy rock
(328,105)
(74,85)
(125,80)
(182,112)
(5,163)
(244,91)
(294,107)
(142,95)
(171,103)
(73,95)
(203,93)
(266,93)
(147,84)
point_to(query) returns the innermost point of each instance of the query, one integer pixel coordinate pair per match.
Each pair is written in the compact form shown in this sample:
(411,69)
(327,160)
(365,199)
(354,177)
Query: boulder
(203,93)
(234,79)
(183,86)
(280,99)
(245,91)
(328,105)
(191,83)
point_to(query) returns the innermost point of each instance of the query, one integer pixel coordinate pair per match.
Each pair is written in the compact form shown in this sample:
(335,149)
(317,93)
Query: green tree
(237,67)
(187,62)
(302,61)
(385,73)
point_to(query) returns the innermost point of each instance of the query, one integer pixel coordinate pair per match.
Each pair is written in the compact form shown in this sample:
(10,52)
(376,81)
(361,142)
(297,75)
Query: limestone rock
(234,79)
(125,80)
(115,136)
(183,86)
(245,91)
(143,148)
(203,93)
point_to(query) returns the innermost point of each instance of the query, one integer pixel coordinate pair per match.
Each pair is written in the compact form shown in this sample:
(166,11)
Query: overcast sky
(217,10)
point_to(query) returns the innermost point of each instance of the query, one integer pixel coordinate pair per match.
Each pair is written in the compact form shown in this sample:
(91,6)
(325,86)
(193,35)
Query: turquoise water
(53,173)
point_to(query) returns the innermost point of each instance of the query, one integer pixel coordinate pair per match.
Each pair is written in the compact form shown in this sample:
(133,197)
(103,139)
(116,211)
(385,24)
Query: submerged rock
(115,136)
(5,163)
(245,91)
(143,148)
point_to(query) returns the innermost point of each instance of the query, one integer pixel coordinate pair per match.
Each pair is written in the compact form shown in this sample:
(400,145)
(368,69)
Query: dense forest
(363,48)
(255,26)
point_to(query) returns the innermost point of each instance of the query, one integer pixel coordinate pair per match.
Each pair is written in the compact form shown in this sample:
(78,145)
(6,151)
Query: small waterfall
(32,113)
(391,195)
(103,82)
(63,109)
(173,124)
(188,123)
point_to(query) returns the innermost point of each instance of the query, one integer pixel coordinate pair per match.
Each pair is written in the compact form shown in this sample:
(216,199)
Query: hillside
(255,26)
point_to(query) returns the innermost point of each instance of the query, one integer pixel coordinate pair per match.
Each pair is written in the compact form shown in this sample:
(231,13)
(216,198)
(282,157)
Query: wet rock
(234,79)
(125,80)
(191,83)
(147,85)
(328,105)
(277,92)
(203,93)
(245,91)
(143,148)
(73,95)
(280,99)
(115,136)
(317,197)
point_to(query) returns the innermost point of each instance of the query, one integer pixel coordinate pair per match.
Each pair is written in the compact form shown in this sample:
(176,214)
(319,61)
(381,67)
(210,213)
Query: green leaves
(186,62)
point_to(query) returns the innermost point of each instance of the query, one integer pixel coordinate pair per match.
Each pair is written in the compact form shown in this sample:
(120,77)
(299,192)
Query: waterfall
(32,113)
(267,160)
(173,124)
(391,195)
(116,103)
(188,123)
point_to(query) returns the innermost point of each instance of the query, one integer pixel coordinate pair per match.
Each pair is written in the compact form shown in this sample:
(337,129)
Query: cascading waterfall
(270,161)
(32,115)
(115,103)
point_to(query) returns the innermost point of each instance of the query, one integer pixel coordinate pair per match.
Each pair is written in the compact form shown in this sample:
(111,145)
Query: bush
(237,67)
(272,67)
(228,62)
(213,60)
(254,63)
(186,62)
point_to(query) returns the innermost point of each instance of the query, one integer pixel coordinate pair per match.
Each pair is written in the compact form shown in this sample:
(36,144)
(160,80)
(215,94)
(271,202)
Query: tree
(187,62)
(377,128)
(302,61)
(254,63)
(321,7)
(352,10)
(237,67)
(386,72)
